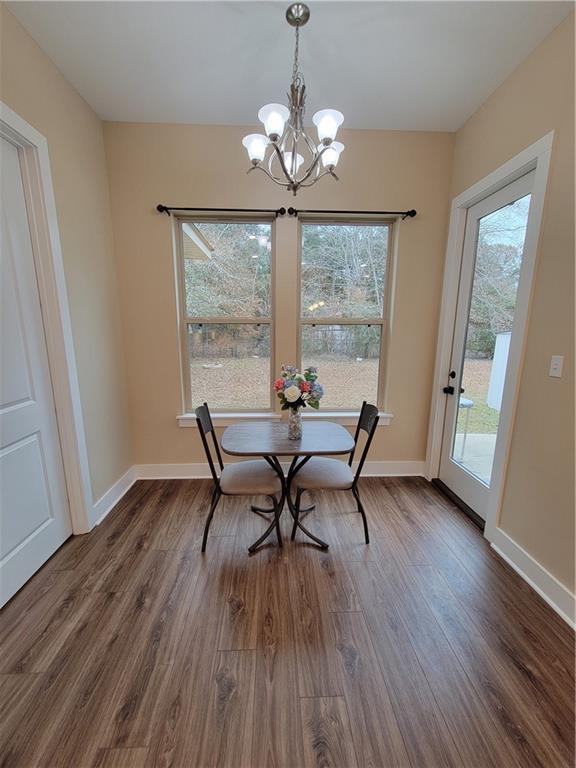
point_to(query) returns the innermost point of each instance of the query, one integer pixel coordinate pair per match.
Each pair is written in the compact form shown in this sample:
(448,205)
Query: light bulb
(331,154)
(255,144)
(327,122)
(273,116)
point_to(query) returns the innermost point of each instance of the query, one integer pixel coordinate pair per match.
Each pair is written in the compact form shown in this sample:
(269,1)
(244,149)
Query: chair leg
(361,510)
(299,493)
(213,504)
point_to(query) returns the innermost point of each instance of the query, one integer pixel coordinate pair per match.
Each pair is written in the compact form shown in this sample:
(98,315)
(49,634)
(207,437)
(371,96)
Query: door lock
(449,390)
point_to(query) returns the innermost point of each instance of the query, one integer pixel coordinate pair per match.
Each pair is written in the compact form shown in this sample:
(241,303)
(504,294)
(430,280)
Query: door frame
(535,157)
(43,221)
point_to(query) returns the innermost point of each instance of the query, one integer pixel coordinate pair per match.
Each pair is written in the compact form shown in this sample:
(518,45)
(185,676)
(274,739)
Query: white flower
(299,377)
(292,393)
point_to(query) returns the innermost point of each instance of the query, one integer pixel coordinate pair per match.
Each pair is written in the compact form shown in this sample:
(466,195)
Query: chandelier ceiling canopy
(287,154)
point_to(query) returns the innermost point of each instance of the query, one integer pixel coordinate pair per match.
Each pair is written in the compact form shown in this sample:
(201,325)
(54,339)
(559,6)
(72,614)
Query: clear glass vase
(294,423)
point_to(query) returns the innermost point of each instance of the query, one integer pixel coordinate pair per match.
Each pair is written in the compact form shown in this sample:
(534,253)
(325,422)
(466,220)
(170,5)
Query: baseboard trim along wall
(542,581)
(108,500)
(200,471)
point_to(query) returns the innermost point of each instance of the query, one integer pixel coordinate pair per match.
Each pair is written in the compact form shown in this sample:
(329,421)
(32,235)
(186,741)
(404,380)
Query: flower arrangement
(298,390)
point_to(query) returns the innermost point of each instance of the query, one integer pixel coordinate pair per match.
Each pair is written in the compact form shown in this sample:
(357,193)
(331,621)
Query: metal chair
(331,474)
(245,478)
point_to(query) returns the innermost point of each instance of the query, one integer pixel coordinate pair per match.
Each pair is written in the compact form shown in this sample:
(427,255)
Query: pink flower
(304,386)
(278,385)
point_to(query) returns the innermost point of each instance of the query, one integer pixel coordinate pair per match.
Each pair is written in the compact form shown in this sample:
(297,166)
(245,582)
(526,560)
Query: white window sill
(346,418)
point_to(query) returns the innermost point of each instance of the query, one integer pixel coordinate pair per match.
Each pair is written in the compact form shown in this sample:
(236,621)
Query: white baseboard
(201,470)
(172,471)
(544,583)
(394,469)
(108,500)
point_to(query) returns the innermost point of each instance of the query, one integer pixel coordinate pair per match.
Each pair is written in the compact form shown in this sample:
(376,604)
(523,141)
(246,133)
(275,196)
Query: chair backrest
(367,422)
(205,426)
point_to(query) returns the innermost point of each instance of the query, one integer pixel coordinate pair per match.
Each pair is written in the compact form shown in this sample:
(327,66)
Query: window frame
(388,294)
(184,320)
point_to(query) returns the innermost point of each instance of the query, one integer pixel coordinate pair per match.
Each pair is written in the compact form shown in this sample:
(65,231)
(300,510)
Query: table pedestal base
(286,497)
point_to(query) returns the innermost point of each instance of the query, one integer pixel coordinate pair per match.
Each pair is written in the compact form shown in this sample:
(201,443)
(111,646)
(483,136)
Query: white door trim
(535,157)
(43,220)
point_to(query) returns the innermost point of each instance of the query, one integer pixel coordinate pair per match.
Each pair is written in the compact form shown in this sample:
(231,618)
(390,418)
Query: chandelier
(285,133)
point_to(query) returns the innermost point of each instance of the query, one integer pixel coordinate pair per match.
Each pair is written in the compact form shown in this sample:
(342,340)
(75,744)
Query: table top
(271,439)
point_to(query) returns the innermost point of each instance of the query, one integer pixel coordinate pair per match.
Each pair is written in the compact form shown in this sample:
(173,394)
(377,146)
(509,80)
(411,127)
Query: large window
(343,308)
(336,320)
(227,313)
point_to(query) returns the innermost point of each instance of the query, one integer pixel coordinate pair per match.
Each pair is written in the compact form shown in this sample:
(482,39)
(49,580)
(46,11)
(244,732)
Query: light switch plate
(556,363)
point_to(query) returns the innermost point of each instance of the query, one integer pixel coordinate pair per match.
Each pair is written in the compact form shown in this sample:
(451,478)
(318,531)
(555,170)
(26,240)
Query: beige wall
(32,86)
(538,508)
(206,166)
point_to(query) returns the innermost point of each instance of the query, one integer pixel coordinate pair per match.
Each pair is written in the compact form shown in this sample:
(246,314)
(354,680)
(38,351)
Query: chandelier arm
(313,167)
(282,140)
(317,178)
(282,163)
(275,179)
(309,143)
(311,147)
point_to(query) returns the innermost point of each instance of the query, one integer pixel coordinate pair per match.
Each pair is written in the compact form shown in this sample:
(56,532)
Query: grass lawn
(244,383)
(483,419)
(231,384)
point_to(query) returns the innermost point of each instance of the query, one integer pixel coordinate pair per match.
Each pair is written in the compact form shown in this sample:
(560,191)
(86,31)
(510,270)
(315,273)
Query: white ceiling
(395,65)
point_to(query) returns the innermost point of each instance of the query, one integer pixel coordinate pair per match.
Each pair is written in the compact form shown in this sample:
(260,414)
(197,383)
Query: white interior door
(34,513)
(486,326)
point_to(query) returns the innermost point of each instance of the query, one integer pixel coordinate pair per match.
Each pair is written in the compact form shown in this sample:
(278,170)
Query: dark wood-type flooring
(129,648)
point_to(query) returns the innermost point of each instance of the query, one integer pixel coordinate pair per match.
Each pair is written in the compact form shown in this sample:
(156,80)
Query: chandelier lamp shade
(286,153)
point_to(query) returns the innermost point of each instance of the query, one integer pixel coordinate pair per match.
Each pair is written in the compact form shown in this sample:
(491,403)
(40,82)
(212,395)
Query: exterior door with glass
(485,327)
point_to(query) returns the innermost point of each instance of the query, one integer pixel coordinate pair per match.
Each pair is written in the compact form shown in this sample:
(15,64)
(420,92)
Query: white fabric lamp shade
(327,122)
(331,154)
(255,144)
(274,116)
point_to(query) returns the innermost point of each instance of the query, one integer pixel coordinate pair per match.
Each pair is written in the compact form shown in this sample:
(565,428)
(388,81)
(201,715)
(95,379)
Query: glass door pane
(499,248)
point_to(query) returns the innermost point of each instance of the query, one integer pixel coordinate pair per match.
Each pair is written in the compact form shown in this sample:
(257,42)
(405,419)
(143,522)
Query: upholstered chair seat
(250,478)
(321,473)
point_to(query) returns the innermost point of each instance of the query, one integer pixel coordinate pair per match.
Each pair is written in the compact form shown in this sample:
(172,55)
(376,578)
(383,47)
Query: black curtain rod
(169,208)
(283,211)
(404,214)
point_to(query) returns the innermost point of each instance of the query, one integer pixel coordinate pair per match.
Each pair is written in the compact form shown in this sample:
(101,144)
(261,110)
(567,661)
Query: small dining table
(270,441)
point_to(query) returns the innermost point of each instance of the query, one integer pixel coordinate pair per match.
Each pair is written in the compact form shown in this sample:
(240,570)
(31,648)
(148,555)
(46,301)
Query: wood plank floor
(130,649)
